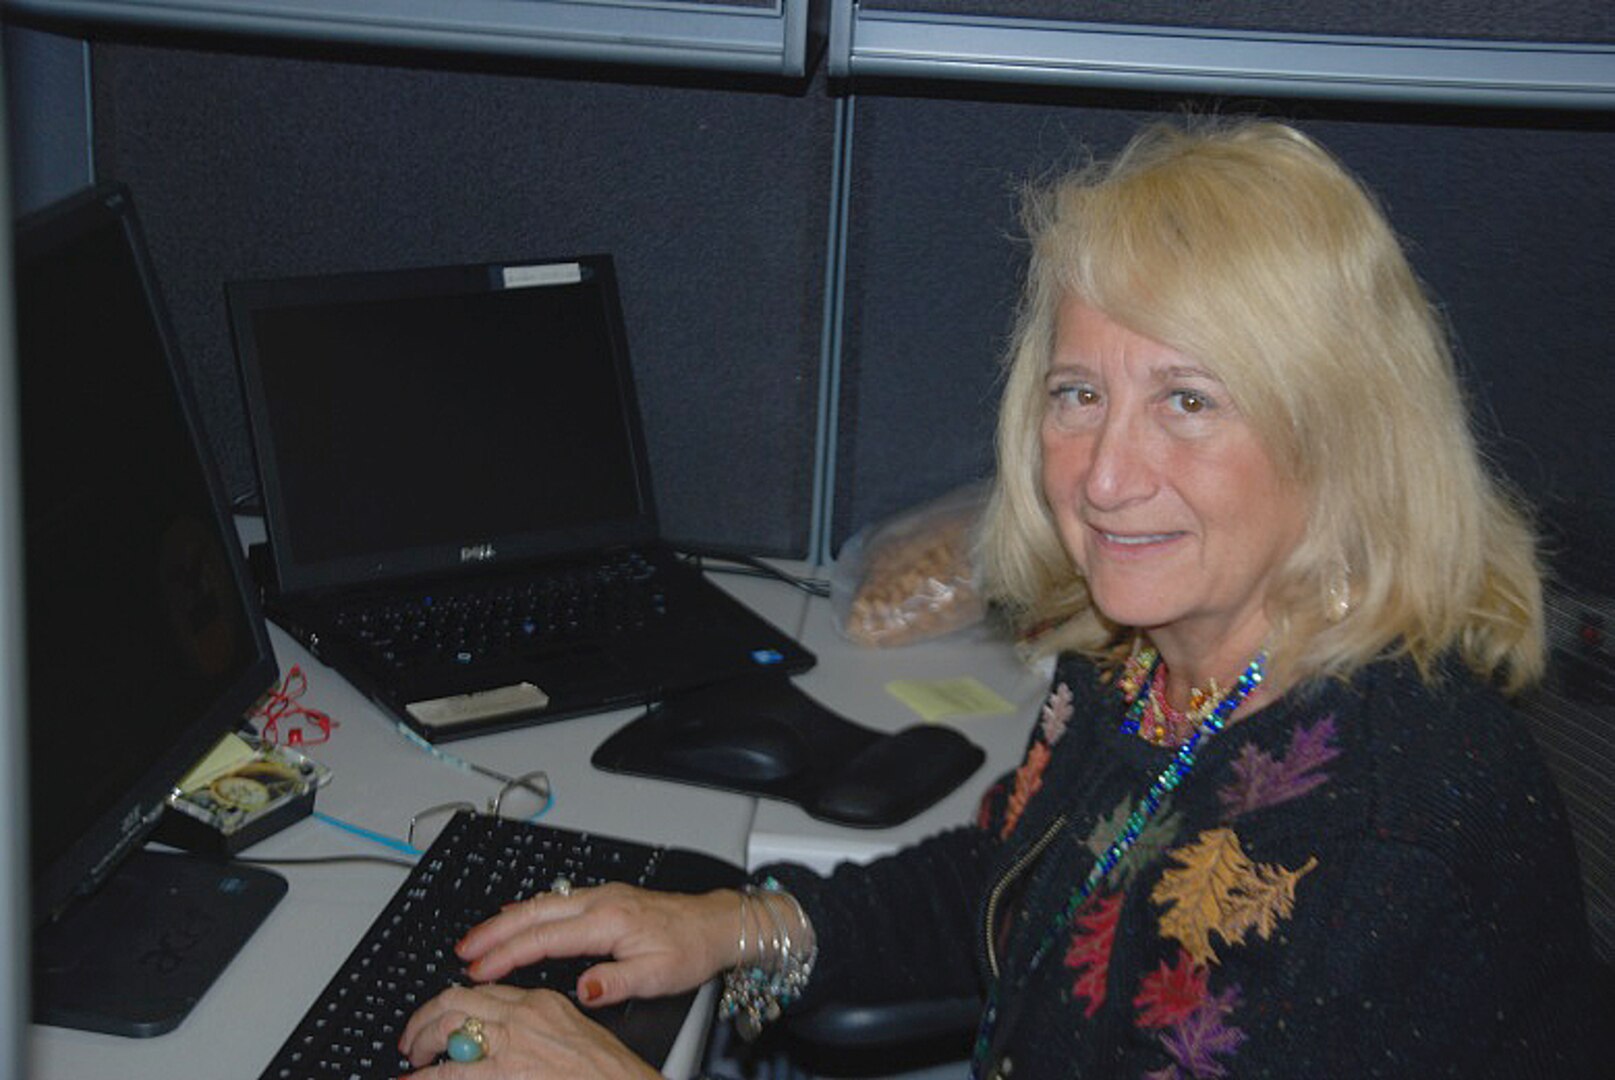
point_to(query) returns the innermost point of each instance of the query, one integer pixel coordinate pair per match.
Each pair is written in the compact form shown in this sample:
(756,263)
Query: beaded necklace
(1153,718)
(1165,782)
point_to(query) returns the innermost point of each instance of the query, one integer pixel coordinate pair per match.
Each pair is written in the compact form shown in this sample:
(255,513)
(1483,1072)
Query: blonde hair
(1248,247)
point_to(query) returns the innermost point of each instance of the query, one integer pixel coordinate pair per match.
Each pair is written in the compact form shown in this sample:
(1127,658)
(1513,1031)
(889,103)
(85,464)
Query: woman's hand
(659,943)
(530,1034)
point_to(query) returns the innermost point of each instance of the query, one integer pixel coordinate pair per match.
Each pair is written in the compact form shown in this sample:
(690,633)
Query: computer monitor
(143,644)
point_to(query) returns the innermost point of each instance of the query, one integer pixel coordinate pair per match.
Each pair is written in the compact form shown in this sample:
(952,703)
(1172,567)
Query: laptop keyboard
(477,865)
(503,618)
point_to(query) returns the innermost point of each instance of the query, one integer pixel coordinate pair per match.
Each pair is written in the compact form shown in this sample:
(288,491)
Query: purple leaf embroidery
(1261,781)
(1201,1037)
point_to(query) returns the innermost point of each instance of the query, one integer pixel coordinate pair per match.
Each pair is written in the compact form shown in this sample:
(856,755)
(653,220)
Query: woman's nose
(1121,471)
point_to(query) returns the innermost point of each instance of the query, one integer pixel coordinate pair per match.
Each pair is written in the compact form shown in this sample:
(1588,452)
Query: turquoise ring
(469,1041)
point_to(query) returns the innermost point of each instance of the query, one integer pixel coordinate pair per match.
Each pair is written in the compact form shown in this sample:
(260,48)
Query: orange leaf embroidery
(1218,888)
(1028,778)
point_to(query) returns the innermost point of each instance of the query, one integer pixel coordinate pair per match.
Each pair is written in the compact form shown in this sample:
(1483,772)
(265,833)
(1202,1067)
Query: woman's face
(1162,493)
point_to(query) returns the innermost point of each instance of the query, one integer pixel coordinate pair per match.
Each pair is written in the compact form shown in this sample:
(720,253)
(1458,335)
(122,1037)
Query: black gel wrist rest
(762,736)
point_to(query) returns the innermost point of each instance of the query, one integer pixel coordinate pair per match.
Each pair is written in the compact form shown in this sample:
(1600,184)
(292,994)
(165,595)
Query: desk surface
(380,779)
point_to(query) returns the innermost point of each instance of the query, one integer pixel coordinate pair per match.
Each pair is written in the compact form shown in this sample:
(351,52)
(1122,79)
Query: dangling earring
(1337,590)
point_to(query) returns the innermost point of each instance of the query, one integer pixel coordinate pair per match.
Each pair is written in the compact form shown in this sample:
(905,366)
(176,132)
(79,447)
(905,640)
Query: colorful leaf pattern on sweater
(1051,727)
(1211,897)
(1261,781)
(1201,1038)
(1056,714)
(1216,888)
(1170,993)
(1160,832)
(1028,779)
(1089,952)
(1213,888)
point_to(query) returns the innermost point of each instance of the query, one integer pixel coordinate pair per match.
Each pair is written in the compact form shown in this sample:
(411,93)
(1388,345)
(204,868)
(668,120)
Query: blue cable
(399,845)
(367,834)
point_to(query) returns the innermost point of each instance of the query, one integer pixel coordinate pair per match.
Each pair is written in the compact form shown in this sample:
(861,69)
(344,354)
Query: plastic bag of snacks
(910,578)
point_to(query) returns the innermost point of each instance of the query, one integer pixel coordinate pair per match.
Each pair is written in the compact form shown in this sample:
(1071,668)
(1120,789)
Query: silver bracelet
(754,994)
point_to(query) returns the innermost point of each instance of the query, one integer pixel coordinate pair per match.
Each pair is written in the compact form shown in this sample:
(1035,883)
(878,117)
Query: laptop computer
(452,466)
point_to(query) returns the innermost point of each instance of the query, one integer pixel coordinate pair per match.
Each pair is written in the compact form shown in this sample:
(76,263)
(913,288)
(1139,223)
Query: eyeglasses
(285,721)
(521,798)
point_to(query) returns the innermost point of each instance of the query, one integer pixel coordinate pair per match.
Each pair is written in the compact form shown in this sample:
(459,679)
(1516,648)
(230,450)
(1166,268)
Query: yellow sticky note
(230,752)
(935,699)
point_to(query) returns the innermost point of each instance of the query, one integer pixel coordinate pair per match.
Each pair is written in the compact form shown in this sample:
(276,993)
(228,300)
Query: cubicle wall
(1507,220)
(713,204)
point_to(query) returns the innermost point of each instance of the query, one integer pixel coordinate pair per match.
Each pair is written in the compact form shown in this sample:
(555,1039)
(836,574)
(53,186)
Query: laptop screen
(411,421)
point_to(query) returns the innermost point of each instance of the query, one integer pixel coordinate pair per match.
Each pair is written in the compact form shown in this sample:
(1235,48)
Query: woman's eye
(1191,402)
(1075,395)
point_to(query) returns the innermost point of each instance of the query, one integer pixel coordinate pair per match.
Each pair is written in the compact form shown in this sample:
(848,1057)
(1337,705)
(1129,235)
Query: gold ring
(469,1041)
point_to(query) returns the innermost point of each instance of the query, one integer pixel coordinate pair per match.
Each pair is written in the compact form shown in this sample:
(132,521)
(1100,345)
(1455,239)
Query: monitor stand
(133,957)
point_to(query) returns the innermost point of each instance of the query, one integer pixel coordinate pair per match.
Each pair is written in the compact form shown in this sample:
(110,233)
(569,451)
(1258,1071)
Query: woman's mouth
(1136,541)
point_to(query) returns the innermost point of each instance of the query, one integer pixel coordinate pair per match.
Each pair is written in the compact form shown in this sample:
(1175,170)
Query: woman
(1275,818)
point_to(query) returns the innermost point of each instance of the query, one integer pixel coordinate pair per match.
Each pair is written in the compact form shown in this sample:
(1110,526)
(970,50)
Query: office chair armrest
(870,1027)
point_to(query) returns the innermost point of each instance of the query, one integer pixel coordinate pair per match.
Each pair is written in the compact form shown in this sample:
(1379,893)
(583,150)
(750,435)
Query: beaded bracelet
(754,994)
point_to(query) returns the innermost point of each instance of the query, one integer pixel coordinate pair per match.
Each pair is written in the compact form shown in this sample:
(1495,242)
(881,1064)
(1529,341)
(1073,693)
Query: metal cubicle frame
(763,37)
(887,43)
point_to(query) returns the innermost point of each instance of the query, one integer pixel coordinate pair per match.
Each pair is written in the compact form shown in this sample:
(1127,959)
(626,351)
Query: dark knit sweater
(1373,879)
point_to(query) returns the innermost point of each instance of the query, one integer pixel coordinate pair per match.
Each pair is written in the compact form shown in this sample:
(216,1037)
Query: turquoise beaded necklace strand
(1168,779)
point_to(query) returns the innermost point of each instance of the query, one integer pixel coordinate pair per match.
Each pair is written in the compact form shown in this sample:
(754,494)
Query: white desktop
(380,779)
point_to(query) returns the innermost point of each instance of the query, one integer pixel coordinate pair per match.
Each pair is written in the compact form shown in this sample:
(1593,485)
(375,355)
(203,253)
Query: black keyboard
(407,956)
(494,619)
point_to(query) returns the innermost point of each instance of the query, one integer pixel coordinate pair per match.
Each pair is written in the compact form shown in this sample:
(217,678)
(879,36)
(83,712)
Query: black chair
(1572,715)
(847,1040)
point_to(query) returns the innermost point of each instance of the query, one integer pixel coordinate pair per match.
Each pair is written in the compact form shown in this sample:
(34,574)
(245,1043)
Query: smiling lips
(1136,540)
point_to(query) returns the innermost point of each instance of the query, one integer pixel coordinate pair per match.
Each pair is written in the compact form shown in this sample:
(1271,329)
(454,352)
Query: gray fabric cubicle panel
(711,200)
(1505,221)
(933,269)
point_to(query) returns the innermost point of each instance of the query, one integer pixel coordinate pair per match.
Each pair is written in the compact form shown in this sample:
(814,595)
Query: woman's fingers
(590,922)
(611,982)
(654,943)
(515,919)
(426,1034)
(526,1034)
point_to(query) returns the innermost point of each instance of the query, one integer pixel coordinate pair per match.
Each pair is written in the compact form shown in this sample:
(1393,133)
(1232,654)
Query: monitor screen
(401,416)
(143,645)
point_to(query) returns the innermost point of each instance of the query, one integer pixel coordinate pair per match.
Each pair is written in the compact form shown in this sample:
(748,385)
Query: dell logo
(477,553)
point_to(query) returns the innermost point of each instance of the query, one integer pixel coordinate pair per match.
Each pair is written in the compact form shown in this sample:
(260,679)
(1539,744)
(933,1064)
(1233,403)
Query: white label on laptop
(525,277)
(482,705)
